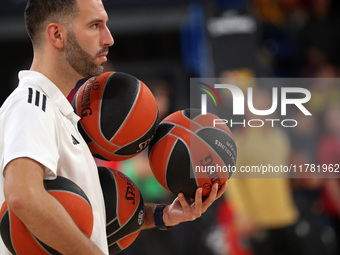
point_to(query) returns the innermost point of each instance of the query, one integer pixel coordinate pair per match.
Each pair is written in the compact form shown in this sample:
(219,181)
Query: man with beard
(38,128)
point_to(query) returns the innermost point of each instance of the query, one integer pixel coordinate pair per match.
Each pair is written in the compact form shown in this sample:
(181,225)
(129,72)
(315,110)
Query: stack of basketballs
(118,121)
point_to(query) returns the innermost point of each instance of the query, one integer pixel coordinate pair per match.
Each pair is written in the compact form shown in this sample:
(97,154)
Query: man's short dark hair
(37,12)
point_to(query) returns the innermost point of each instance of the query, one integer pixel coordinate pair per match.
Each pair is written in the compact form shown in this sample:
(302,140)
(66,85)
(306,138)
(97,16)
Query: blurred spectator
(304,137)
(319,38)
(278,12)
(307,186)
(329,154)
(325,88)
(271,12)
(264,207)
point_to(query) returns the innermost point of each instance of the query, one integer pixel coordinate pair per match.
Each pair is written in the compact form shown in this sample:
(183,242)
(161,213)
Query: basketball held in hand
(188,152)
(118,115)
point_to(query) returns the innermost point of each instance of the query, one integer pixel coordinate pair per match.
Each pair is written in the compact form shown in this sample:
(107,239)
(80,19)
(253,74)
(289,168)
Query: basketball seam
(39,243)
(117,197)
(116,242)
(179,138)
(106,149)
(213,150)
(131,109)
(120,247)
(128,221)
(198,124)
(70,192)
(155,120)
(10,230)
(203,127)
(165,134)
(117,201)
(113,220)
(114,232)
(136,208)
(100,107)
(3,215)
(167,162)
(191,120)
(193,172)
(177,125)
(194,133)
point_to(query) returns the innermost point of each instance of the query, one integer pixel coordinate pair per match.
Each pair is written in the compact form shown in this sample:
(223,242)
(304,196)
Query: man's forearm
(41,213)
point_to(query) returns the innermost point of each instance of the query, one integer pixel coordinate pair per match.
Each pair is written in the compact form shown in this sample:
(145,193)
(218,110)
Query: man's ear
(56,34)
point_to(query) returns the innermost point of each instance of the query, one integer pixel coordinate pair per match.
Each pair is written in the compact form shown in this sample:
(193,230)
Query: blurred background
(164,43)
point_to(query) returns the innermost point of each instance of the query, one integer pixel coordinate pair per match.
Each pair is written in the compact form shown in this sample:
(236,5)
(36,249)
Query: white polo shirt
(37,121)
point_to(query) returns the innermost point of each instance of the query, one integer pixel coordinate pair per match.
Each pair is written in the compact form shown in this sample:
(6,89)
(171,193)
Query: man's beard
(82,62)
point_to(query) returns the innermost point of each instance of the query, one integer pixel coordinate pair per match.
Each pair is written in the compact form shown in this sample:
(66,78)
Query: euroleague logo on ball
(85,99)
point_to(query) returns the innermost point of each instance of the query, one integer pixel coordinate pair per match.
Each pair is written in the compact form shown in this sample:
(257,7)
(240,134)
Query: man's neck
(62,75)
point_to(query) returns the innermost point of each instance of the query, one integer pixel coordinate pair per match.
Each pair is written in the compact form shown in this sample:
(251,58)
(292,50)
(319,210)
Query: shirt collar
(51,91)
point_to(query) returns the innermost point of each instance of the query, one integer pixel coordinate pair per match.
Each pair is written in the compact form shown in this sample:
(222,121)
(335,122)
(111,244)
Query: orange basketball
(118,115)
(124,209)
(19,240)
(188,152)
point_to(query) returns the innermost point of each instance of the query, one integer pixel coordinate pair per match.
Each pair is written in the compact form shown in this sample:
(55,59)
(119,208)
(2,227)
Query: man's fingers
(211,198)
(198,203)
(221,190)
(195,210)
(185,205)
